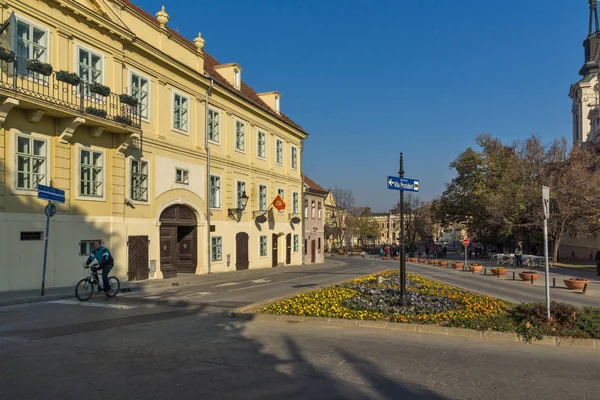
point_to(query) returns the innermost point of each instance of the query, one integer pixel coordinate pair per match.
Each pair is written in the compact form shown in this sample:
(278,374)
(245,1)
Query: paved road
(179,343)
(197,352)
(504,288)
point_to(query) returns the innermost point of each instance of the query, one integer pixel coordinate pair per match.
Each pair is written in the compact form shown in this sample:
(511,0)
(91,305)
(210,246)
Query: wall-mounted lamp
(242,202)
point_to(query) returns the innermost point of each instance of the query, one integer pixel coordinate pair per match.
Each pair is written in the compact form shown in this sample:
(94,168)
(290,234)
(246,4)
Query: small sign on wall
(213,228)
(228,259)
(152,266)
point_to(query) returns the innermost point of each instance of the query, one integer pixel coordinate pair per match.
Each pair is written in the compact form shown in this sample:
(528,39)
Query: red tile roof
(313,185)
(209,66)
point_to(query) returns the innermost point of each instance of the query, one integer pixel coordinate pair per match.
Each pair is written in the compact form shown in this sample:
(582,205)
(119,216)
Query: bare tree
(416,217)
(342,229)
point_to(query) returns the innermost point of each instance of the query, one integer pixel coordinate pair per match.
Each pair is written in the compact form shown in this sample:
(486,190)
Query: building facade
(388,228)
(314,221)
(585,111)
(164,154)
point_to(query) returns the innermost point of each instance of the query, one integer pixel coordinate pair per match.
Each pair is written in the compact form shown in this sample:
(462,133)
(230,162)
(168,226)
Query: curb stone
(417,328)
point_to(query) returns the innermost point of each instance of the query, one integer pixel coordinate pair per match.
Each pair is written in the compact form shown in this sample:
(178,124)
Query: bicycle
(85,287)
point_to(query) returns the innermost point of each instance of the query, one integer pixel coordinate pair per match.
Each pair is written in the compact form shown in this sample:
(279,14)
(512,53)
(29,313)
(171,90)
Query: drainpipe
(302,205)
(208,93)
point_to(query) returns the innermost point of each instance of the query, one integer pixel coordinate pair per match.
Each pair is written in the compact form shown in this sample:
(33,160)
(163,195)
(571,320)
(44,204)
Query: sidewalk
(51,294)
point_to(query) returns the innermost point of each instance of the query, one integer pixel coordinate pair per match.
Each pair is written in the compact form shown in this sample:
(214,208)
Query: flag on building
(278,203)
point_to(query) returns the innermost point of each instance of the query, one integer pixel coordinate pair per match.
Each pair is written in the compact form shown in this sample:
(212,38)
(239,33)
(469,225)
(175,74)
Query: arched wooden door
(241,251)
(178,241)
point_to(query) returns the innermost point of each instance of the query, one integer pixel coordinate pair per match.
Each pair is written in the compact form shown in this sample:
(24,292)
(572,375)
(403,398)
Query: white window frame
(305,208)
(218,130)
(264,155)
(295,202)
(97,98)
(313,207)
(235,136)
(281,192)
(294,152)
(130,160)
(260,204)
(88,246)
(296,242)
(184,172)
(13,37)
(188,121)
(77,172)
(218,200)
(278,160)
(262,254)
(14,133)
(237,194)
(216,256)
(319,209)
(141,76)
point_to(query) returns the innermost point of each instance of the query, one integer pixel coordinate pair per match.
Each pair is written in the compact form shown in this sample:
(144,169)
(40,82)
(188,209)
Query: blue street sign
(51,194)
(404,184)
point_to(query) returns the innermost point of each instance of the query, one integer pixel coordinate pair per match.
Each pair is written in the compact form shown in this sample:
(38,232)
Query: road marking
(229,284)
(293,279)
(263,280)
(92,304)
(190,295)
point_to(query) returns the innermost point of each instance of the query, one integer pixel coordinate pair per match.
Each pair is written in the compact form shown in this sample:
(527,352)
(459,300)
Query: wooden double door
(178,241)
(137,260)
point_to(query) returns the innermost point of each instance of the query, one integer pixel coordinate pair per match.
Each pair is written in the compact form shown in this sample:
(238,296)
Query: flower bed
(435,303)
(431,302)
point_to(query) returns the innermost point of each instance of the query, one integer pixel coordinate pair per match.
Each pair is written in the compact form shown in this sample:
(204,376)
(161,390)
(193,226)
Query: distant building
(314,221)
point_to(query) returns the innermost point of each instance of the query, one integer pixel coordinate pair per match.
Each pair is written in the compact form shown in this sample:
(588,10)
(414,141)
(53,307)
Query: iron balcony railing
(78,97)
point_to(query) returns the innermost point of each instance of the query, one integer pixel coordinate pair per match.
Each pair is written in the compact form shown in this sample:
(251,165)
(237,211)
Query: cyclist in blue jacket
(105,263)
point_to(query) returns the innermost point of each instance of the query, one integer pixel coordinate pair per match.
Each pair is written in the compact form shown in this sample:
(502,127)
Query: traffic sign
(50,210)
(51,194)
(466,242)
(404,184)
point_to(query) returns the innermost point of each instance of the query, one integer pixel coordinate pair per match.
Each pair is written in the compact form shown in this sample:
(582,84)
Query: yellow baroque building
(164,154)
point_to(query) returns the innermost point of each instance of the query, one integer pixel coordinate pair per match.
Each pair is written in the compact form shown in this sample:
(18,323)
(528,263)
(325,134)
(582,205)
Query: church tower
(584,93)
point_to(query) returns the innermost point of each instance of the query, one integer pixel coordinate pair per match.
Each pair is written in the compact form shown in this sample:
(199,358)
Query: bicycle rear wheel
(84,289)
(115,286)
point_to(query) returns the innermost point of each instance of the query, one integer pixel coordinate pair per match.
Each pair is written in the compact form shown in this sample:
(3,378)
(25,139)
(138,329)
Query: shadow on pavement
(183,353)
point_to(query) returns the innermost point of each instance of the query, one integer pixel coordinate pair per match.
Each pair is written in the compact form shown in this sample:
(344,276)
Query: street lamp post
(403,298)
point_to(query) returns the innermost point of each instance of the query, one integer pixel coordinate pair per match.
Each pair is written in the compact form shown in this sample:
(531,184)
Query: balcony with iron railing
(36,87)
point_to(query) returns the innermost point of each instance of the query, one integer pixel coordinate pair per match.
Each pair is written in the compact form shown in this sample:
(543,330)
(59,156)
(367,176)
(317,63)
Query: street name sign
(404,184)
(51,194)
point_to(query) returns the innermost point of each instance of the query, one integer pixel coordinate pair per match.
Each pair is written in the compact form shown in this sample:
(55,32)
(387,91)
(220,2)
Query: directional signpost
(51,194)
(402,184)
(546,205)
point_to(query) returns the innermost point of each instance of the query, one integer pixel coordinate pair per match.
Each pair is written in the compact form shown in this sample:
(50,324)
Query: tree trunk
(557,240)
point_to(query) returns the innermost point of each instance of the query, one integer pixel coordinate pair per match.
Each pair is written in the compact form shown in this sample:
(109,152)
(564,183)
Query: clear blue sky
(369,79)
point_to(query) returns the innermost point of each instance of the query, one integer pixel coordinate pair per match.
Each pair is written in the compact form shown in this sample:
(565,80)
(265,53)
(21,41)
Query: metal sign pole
(403,298)
(466,266)
(48,215)
(546,205)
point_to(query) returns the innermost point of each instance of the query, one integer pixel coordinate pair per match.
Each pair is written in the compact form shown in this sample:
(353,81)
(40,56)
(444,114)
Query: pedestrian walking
(519,255)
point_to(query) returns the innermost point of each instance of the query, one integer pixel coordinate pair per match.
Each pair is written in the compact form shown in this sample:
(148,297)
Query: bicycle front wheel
(84,289)
(115,286)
